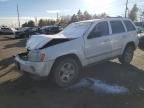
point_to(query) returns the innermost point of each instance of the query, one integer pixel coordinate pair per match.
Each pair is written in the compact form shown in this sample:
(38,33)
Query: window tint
(117,27)
(129,25)
(100,29)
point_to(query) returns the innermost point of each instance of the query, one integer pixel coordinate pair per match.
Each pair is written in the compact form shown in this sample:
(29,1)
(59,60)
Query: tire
(127,55)
(65,72)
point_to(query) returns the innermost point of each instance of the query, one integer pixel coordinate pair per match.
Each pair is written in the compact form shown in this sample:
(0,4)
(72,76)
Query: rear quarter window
(129,25)
(117,26)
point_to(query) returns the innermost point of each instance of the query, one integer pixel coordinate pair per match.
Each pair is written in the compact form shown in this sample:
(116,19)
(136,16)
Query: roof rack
(114,17)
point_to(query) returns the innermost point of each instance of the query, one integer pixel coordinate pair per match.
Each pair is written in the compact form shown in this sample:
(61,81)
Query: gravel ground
(96,88)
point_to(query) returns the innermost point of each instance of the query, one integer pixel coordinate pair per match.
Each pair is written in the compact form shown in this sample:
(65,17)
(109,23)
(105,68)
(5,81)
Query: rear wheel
(127,55)
(65,71)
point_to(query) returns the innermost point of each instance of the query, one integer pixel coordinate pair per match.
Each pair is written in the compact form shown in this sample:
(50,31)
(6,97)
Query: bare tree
(133,13)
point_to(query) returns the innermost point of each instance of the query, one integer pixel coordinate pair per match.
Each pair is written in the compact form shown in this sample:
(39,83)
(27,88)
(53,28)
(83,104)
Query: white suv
(81,43)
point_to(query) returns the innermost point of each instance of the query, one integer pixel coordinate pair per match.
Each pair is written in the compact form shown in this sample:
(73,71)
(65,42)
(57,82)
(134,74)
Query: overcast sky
(48,8)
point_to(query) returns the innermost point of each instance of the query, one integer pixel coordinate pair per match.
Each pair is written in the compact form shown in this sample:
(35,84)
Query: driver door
(97,44)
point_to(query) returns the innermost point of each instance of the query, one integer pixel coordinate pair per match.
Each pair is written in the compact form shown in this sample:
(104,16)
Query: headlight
(42,57)
(36,56)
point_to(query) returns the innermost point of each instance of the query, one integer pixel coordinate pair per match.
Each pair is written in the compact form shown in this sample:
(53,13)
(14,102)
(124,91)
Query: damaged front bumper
(41,69)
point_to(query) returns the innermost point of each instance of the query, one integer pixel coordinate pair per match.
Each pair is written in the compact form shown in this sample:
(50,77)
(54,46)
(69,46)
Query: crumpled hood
(38,41)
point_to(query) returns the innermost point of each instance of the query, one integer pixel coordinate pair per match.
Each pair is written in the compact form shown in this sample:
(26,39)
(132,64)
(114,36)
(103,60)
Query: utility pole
(18,16)
(126,9)
(57,16)
(36,22)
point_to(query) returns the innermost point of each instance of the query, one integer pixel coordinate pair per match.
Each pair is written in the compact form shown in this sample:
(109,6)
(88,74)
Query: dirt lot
(19,91)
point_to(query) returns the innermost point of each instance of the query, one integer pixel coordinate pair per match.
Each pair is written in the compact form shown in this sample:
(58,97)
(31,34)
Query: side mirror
(94,35)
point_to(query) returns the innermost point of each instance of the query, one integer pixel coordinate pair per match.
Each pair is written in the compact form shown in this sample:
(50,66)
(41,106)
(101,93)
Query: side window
(100,29)
(129,25)
(117,27)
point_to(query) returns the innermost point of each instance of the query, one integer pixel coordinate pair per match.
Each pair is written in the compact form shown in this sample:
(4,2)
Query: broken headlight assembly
(36,56)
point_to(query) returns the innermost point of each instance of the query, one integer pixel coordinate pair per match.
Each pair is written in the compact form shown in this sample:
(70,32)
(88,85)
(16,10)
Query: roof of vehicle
(24,28)
(4,27)
(51,26)
(107,18)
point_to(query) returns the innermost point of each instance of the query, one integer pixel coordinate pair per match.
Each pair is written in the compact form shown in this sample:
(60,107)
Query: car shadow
(6,38)
(6,62)
(114,72)
(110,72)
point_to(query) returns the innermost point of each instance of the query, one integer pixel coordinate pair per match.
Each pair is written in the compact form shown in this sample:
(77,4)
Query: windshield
(76,29)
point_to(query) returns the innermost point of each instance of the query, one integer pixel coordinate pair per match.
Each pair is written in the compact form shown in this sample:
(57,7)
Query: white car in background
(140,31)
(80,44)
(7,30)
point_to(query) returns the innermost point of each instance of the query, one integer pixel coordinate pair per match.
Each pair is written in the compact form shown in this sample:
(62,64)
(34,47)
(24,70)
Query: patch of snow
(99,86)
(141,88)
(82,83)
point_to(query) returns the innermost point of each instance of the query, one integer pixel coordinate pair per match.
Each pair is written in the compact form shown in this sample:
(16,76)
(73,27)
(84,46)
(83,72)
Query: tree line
(64,20)
(79,16)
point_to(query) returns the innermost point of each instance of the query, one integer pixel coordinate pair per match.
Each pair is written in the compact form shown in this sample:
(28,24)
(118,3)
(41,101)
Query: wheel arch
(71,55)
(52,72)
(131,43)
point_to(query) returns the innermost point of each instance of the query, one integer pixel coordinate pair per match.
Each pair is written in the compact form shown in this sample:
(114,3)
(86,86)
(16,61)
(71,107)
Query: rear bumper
(41,69)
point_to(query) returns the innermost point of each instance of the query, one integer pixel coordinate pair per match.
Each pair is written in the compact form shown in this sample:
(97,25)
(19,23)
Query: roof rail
(114,17)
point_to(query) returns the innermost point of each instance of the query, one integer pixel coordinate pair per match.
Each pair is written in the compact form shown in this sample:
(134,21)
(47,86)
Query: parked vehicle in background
(139,24)
(6,31)
(50,29)
(25,32)
(141,42)
(14,30)
(80,44)
(140,32)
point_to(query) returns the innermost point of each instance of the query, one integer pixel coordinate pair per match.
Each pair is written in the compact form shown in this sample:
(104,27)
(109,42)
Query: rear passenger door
(117,37)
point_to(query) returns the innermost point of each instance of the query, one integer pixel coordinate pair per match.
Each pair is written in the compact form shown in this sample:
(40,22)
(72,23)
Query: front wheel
(65,72)
(127,55)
